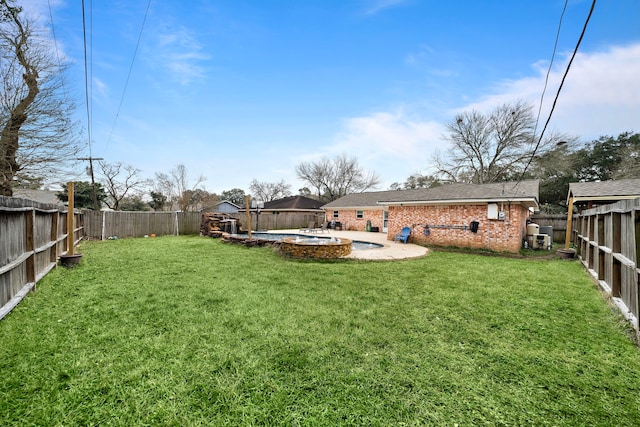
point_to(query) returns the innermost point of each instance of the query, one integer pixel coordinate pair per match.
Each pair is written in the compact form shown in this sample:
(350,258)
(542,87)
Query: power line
(124,91)
(55,45)
(86,75)
(555,100)
(546,80)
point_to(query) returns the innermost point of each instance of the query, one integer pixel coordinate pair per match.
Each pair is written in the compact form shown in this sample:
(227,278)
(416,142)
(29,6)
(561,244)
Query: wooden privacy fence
(281,220)
(608,241)
(104,224)
(557,222)
(32,237)
(101,225)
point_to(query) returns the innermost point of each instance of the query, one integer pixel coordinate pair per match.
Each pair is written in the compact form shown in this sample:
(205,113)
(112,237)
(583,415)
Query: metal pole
(93,181)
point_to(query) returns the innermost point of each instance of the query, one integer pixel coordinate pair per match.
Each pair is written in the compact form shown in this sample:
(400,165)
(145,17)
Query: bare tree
(336,177)
(177,187)
(36,128)
(200,199)
(493,147)
(268,191)
(120,181)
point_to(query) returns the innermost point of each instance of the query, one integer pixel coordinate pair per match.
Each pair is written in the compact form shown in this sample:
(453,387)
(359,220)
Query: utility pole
(93,181)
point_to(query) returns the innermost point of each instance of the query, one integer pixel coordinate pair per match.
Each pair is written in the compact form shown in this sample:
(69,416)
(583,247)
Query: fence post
(70,218)
(104,226)
(567,240)
(246,202)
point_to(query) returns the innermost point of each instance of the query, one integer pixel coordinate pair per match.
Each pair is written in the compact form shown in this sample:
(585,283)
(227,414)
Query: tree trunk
(9,137)
(9,145)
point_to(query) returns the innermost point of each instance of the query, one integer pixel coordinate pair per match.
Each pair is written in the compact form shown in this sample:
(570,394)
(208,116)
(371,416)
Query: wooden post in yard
(246,204)
(70,218)
(567,240)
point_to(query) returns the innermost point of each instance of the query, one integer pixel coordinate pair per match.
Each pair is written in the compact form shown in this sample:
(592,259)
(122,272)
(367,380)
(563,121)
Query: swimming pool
(356,245)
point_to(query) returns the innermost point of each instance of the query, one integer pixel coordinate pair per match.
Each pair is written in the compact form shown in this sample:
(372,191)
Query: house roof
(225,202)
(525,192)
(299,203)
(42,196)
(604,191)
(367,199)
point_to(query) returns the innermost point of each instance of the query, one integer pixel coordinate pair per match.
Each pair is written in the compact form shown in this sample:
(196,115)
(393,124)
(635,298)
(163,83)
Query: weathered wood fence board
(32,237)
(104,224)
(282,220)
(608,242)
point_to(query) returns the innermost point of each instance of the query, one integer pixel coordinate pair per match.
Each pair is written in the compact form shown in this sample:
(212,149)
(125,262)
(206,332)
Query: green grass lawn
(190,331)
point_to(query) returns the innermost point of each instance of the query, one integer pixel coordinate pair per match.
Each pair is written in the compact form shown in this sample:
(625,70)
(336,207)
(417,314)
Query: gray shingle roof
(360,200)
(42,196)
(295,203)
(458,192)
(605,190)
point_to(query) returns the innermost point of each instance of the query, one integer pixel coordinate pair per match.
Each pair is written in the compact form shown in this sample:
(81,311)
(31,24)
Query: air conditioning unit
(541,241)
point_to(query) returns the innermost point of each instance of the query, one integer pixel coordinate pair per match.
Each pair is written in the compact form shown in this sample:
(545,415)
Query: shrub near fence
(32,237)
(608,241)
(104,224)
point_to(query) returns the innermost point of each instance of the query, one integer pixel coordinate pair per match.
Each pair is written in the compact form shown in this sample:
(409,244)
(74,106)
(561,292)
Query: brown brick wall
(349,221)
(496,235)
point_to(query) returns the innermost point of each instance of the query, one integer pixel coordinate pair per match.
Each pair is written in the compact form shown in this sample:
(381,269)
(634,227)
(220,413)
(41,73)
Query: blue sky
(239,89)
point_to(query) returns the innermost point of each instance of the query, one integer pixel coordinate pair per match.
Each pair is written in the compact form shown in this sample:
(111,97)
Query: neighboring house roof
(224,205)
(293,203)
(525,192)
(604,191)
(42,196)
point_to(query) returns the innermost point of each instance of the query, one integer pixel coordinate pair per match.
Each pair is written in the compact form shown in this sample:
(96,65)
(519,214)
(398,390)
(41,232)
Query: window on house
(336,214)
(359,214)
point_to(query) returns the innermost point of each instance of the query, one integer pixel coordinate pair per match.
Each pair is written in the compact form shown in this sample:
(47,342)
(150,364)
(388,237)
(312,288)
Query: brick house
(491,216)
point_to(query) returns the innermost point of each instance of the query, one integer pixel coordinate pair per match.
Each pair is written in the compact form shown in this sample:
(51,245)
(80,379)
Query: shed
(585,195)
(224,206)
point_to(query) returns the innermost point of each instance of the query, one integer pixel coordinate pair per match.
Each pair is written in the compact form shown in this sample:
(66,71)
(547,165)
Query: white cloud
(600,96)
(392,144)
(180,52)
(100,88)
(379,5)
(40,8)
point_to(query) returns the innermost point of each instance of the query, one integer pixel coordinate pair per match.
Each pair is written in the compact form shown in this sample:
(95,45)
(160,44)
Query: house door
(385,221)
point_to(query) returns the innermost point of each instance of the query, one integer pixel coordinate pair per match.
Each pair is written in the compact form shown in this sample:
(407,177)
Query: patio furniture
(404,235)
